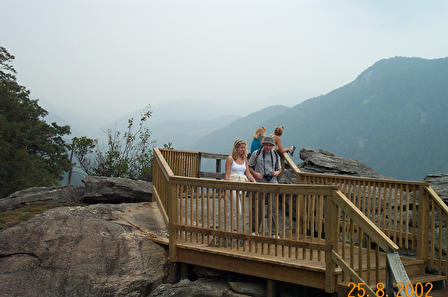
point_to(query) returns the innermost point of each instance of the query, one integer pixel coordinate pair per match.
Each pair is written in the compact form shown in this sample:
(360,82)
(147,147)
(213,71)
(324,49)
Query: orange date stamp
(409,289)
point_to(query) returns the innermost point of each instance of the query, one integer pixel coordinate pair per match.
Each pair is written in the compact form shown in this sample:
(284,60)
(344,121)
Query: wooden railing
(314,222)
(434,232)
(358,246)
(409,212)
(183,163)
(390,204)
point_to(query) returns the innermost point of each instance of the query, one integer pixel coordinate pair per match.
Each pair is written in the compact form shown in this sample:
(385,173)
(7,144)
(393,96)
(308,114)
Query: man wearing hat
(264,163)
(265,166)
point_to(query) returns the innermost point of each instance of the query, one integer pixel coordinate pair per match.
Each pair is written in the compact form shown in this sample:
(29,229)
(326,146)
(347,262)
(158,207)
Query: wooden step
(425,277)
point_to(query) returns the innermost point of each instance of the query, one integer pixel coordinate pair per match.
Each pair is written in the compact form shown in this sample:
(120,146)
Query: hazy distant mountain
(221,140)
(393,117)
(180,122)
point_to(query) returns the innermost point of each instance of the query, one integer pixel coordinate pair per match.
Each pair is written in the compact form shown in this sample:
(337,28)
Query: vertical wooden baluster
(321,221)
(364,197)
(243,221)
(208,213)
(187,193)
(257,224)
(305,222)
(231,220)
(181,208)
(377,264)
(298,201)
(360,238)
(371,185)
(389,213)
(401,205)
(358,194)
(433,228)
(192,198)
(384,208)
(368,260)
(283,220)
(352,243)
(227,197)
(290,217)
(202,212)
(395,213)
(407,217)
(277,220)
(439,211)
(215,199)
(313,216)
(344,236)
(414,216)
(220,200)
(251,227)
(196,210)
(270,221)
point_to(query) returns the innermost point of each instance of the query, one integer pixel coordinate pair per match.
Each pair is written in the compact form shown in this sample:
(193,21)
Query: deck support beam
(270,290)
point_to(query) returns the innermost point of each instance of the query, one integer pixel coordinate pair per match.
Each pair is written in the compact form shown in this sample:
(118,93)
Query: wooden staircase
(416,271)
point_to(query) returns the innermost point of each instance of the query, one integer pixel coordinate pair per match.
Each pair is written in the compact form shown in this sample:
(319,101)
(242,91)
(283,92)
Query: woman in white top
(236,163)
(237,169)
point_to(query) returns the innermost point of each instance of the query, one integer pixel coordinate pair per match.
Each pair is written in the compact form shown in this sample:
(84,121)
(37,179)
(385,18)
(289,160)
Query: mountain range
(392,117)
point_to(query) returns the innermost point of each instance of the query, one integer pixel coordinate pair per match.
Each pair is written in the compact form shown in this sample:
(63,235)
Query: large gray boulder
(100,189)
(320,161)
(96,250)
(41,195)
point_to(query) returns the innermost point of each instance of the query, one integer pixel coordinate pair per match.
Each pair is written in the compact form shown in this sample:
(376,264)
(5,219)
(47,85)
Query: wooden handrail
(291,163)
(439,202)
(167,172)
(350,271)
(248,186)
(362,220)
(371,179)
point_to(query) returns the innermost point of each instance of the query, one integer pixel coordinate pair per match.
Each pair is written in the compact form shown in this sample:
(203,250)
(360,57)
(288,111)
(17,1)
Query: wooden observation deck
(322,232)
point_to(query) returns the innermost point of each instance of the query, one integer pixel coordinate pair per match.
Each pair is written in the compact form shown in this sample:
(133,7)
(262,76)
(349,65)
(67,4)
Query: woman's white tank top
(237,168)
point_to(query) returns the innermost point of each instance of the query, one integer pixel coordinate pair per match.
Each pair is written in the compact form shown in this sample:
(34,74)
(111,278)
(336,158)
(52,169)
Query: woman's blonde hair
(236,145)
(260,132)
(278,130)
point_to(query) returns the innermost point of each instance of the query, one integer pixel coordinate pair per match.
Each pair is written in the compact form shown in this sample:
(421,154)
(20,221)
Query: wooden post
(330,242)
(270,292)
(172,215)
(423,209)
(183,271)
(199,163)
(218,166)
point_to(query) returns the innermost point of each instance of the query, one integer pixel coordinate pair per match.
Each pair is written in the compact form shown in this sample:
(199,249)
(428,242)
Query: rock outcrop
(320,161)
(100,189)
(95,250)
(439,182)
(41,195)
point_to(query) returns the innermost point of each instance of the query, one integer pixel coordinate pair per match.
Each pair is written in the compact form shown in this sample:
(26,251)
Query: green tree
(32,152)
(126,154)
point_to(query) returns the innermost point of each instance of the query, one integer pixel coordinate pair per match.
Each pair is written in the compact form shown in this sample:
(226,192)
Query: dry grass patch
(10,218)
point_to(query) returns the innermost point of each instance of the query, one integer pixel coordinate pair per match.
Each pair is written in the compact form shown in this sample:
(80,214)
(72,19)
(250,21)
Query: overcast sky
(107,58)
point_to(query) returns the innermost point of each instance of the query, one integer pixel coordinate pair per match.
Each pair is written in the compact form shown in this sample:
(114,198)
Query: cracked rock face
(79,251)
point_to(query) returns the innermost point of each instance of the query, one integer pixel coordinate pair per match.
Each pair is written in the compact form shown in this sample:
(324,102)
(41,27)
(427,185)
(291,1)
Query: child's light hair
(236,145)
(260,132)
